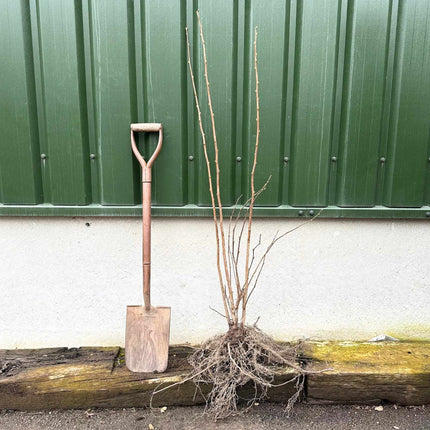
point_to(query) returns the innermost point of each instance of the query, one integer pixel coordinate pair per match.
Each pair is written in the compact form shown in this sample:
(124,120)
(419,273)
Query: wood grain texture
(147,339)
(54,378)
(365,372)
(62,378)
(148,126)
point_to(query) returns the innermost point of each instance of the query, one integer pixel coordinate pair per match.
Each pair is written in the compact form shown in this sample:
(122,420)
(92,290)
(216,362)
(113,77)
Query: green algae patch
(411,332)
(369,372)
(120,359)
(392,357)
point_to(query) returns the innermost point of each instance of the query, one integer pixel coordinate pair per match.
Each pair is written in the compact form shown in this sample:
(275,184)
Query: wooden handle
(146,202)
(149,127)
(146,243)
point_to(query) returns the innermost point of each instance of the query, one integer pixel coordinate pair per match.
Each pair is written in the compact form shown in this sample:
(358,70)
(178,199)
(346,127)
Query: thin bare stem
(235,273)
(240,290)
(261,262)
(230,250)
(217,312)
(256,281)
(251,206)
(227,308)
(218,193)
(253,251)
(246,217)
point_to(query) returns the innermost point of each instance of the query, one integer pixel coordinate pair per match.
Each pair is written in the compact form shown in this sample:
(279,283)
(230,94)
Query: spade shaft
(146,202)
(146,253)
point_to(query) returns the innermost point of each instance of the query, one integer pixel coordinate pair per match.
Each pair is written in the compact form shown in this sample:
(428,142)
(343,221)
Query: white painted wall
(66,284)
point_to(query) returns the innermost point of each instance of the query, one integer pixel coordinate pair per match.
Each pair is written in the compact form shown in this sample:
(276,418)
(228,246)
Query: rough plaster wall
(67,284)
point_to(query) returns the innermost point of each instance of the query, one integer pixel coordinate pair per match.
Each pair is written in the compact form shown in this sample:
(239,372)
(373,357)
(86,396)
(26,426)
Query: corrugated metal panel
(344,90)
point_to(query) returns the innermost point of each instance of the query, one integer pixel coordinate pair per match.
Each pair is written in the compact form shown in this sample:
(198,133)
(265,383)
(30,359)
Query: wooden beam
(62,378)
(369,372)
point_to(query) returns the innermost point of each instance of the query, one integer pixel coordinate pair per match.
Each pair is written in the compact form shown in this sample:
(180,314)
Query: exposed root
(238,357)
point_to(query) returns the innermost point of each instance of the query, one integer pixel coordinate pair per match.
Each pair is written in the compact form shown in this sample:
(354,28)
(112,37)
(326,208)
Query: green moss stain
(411,333)
(390,357)
(120,359)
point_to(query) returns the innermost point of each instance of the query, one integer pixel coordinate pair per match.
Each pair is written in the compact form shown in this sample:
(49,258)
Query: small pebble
(379,408)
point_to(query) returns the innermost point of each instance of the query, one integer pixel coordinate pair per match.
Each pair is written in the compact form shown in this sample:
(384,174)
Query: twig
(230,249)
(251,206)
(235,272)
(256,281)
(218,193)
(253,251)
(199,114)
(274,240)
(245,217)
(218,312)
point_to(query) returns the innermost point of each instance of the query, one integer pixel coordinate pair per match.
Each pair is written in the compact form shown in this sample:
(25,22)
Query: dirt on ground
(265,416)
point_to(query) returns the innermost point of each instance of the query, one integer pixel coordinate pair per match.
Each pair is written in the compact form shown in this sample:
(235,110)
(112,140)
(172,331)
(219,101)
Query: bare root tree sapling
(244,354)
(236,288)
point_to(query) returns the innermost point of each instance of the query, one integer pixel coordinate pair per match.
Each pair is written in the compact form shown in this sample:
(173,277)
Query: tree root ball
(238,357)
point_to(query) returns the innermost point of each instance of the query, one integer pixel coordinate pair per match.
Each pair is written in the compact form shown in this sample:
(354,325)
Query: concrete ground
(264,416)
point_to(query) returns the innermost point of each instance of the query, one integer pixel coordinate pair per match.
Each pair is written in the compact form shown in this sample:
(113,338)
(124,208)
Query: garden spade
(147,327)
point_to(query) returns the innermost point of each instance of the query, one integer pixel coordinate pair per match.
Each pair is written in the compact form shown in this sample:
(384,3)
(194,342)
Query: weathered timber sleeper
(62,378)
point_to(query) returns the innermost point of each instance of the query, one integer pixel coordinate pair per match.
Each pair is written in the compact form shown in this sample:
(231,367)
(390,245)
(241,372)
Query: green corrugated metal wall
(344,89)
